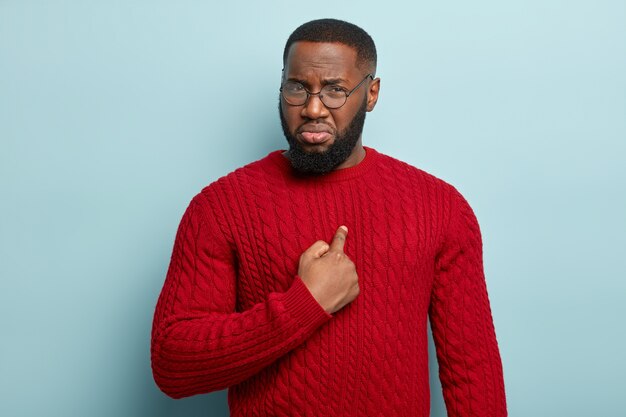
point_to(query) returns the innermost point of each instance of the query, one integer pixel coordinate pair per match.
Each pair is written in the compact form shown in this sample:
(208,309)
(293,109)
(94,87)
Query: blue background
(114,114)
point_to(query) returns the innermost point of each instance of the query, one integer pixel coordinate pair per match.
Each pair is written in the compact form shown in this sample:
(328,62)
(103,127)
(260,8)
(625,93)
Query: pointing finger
(339,240)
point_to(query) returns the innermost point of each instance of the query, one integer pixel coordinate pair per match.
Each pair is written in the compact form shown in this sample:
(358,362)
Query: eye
(334,92)
(293,87)
(335,89)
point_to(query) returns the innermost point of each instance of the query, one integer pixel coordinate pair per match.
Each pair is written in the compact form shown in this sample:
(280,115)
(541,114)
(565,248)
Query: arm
(470,368)
(199,342)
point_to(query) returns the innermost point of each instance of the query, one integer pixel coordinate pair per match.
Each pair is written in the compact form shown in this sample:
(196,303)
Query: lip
(315,134)
(315,128)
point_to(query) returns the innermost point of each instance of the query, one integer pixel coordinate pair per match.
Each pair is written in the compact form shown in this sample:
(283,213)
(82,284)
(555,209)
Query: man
(303,281)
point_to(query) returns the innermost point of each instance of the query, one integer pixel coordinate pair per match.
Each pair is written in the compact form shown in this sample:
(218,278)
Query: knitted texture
(233,313)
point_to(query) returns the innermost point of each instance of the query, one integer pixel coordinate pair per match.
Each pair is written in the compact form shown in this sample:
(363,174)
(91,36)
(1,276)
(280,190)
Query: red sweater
(234,314)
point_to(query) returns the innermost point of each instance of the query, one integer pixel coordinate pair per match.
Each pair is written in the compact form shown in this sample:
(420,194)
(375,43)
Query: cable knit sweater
(233,313)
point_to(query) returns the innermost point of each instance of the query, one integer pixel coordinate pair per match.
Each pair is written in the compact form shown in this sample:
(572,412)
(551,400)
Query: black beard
(318,163)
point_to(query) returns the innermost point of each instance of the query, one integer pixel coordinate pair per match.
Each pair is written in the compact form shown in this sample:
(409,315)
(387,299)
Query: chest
(391,236)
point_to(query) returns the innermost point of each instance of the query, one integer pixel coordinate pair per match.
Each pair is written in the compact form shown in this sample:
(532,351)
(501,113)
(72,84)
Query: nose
(314,108)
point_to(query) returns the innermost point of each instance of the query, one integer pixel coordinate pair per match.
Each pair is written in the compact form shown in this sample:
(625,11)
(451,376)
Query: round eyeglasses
(333,96)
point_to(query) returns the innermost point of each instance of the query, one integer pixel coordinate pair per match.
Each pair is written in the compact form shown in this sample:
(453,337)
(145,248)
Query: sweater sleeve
(470,367)
(199,342)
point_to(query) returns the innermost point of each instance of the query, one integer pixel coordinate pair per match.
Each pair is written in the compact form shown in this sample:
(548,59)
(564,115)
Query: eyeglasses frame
(309,94)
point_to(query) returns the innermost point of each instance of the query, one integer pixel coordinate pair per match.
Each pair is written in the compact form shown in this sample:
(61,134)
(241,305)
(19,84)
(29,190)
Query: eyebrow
(325,81)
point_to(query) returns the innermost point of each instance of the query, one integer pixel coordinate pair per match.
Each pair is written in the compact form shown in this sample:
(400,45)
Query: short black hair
(334,30)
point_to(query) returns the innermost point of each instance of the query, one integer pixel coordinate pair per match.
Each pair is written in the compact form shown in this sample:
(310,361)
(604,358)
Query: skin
(329,274)
(314,64)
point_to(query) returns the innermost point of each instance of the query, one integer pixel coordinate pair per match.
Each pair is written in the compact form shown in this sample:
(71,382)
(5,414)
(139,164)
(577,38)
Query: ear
(372,94)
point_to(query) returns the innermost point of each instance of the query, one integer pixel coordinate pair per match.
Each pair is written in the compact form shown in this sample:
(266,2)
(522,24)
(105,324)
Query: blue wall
(114,114)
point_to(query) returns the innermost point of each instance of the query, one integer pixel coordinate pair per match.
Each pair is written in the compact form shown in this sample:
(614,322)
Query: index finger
(339,240)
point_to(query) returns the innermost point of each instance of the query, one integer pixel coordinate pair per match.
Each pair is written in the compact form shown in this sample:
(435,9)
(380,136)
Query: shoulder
(457,220)
(222,201)
(402,171)
(442,196)
(247,178)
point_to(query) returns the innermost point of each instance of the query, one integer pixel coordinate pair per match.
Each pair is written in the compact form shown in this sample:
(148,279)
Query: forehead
(321,59)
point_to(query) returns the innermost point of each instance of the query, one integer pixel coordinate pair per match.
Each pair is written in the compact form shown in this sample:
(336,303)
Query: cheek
(340,122)
(348,112)
(292,117)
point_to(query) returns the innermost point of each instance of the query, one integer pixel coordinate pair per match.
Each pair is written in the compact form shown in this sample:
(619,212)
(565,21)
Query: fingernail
(344,228)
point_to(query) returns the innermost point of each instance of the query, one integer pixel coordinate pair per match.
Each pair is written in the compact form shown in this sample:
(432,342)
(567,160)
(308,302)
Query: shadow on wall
(437,405)
(214,404)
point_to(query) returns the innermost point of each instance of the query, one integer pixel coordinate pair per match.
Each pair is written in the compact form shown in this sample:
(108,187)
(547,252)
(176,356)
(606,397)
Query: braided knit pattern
(233,313)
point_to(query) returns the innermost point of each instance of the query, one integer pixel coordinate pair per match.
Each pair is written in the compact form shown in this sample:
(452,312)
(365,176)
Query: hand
(329,274)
